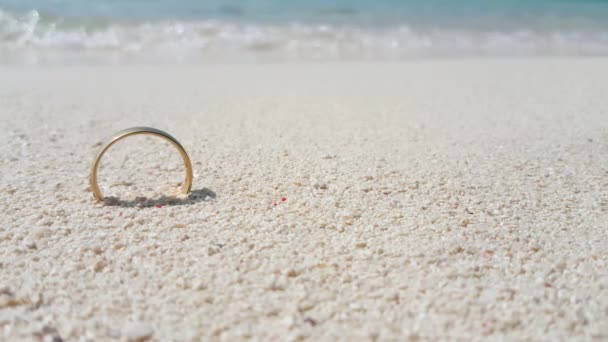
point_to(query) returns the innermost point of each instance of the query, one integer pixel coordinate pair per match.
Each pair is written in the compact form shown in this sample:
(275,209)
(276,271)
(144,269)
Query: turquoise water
(314,29)
(449,13)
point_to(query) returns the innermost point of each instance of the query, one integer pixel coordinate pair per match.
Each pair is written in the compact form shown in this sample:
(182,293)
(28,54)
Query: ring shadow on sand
(195,196)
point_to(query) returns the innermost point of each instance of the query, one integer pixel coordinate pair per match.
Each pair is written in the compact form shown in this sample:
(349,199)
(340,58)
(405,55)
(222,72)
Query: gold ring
(134,131)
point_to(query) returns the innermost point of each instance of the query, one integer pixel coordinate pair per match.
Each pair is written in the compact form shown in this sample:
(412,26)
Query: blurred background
(190,31)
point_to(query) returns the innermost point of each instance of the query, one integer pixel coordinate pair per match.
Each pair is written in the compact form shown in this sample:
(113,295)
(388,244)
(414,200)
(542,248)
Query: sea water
(282,30)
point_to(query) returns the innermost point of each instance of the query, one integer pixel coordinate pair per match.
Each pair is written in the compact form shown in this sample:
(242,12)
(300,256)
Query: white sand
(439,199)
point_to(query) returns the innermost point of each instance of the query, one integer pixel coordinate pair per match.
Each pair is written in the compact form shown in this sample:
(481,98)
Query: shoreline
(222,61)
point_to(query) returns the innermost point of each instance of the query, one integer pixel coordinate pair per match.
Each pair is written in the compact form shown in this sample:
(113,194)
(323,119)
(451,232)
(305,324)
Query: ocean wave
(31,38)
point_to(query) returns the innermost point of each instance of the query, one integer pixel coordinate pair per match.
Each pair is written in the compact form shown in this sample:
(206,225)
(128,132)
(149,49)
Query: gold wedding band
(186,186)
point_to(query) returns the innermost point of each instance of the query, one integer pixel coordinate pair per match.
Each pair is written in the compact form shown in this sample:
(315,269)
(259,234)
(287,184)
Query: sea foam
(31,38)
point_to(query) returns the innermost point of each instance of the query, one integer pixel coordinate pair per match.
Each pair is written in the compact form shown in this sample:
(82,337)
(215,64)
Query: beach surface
(438,199)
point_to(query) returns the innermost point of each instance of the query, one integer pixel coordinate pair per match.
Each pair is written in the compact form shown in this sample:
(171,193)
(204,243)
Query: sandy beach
(433,200)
